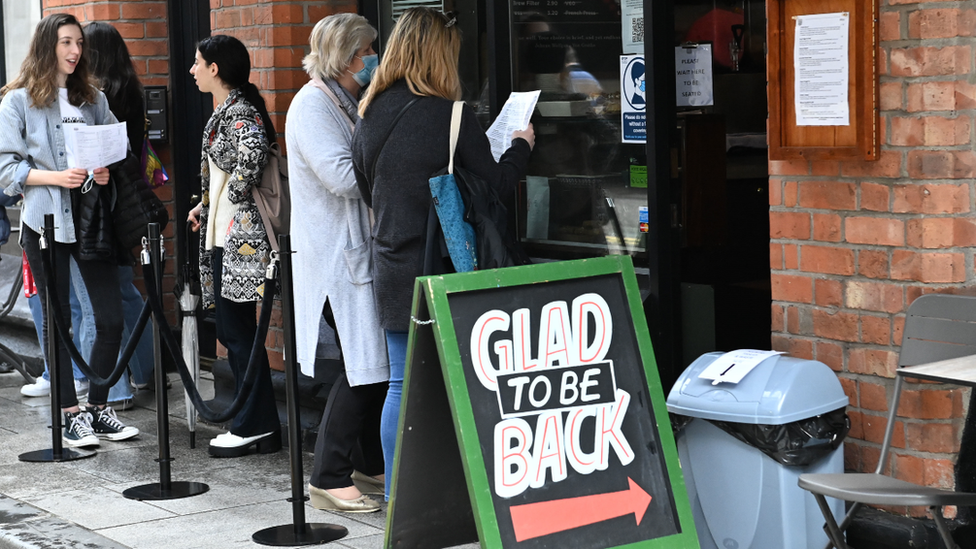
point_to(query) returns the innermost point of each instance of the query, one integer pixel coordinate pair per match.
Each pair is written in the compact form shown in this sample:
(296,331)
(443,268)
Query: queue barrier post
(57,452)
(298,532)
(165,488)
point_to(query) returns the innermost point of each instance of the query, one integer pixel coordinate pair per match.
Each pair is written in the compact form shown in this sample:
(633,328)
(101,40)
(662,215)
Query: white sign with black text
(693,75)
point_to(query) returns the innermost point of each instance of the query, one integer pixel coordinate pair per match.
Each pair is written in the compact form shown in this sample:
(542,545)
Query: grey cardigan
(31,137)
(330,235)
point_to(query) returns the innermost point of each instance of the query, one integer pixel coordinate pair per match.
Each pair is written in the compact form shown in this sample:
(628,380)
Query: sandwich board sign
(533,416)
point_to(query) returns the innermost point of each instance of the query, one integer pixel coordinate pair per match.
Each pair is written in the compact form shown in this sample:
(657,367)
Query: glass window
(19,20)
(584,186)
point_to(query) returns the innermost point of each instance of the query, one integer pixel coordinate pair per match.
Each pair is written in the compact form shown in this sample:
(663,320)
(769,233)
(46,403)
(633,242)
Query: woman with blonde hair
(332,263)
(400,143)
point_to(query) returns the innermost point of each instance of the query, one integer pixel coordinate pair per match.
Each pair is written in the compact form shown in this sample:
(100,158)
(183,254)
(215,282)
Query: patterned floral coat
(234,139)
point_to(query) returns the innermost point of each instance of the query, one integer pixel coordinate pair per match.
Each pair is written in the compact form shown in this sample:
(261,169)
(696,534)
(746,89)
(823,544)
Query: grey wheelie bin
(743,447)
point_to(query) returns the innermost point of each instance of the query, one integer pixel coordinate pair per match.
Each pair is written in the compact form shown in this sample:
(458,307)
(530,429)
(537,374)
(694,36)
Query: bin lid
(780,390)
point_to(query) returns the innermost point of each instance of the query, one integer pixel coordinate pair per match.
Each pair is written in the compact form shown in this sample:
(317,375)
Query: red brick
(835,325)
(873,396)
(825,168)
(775,191)
(780,343)
(288,14)
(789,194)
(157,29)
(777,321)
(929,61)
(931,403)
(938,23)
(789,167)
(897,329)
(941,232)
(875,197)
(100,12)
(791,257)
(857,421)
(825,259)
(939,473)
(789,225)
(931,199)
(874,428)
(832,354)
(876,330)
(872,361)
(793,320)
(828,293)
(276,360)
(130,31)
(908,468)
(892,96)
(890,26)
(943,164)
(144,10)
(775,256)
(965,95)
(827,195)
(874,296)
(887,165)
(797,289)
(879,231)
(800,348)
(928,267)
(148,48)
(826,227)
(932,437)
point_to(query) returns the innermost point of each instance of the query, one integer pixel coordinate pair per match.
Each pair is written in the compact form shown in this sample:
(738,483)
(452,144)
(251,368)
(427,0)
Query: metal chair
(939,344)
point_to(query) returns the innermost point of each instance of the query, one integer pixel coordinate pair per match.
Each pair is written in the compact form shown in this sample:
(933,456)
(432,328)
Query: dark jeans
(349,434)
(236,324)
(102,282)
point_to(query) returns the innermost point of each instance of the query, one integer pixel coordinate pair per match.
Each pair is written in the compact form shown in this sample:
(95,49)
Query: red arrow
(548,517)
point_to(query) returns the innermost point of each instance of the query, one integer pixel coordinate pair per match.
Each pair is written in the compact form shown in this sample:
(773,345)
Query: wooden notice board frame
(443,492)
(859,140)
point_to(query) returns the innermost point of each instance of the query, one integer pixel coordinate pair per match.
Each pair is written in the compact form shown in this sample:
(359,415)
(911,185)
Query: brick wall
(143,26)
(854,243)
(276,33)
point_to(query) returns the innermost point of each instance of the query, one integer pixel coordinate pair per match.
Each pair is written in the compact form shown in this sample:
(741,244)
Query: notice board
(788,140)
(533,416)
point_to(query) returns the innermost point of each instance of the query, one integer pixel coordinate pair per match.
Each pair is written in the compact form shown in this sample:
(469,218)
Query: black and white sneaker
(106,424)
(78,430)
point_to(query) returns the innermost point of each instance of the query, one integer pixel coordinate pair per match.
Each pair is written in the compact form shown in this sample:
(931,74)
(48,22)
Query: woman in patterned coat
(234,247)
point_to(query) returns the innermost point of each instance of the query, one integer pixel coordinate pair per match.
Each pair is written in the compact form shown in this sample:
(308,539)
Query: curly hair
(39,72)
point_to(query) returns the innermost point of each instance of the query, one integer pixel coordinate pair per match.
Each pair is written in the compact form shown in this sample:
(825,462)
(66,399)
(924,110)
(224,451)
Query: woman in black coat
(421,61)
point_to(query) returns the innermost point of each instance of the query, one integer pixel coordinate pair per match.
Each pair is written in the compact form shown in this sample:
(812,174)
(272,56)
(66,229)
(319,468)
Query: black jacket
(94,229)
(400,196)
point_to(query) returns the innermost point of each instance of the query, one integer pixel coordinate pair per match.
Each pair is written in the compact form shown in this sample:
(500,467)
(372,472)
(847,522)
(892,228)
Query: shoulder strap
(455,130)
(318,83)
(372,171)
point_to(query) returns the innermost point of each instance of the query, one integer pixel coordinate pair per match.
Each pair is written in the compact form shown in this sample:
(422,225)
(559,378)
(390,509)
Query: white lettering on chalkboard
(568,386)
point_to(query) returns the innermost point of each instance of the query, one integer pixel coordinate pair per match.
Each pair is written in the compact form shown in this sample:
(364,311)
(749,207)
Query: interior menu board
(557,409)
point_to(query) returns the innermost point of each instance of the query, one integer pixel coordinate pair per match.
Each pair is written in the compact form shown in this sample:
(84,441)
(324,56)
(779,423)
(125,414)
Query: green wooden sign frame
(454,504)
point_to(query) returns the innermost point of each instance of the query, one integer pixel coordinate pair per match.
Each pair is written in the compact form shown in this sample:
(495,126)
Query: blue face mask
(370,62)
(642,86)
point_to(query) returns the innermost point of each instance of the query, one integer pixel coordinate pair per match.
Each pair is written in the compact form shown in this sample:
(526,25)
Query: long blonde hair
(39,71)
(424,48)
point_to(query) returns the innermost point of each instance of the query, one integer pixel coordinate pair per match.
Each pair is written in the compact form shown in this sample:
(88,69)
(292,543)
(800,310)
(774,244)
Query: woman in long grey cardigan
(331,235)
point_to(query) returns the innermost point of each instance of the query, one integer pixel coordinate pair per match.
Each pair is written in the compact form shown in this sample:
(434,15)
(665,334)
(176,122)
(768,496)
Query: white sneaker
(81,388)
(39,388)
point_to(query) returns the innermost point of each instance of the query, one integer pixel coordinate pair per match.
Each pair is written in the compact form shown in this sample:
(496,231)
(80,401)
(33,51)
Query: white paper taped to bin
(734,365)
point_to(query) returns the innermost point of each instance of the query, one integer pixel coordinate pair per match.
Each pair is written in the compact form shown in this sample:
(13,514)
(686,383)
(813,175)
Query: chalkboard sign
(533,416)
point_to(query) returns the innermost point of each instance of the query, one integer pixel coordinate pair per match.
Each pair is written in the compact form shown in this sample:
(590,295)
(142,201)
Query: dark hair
(39,71)
(234,69)
(111,66)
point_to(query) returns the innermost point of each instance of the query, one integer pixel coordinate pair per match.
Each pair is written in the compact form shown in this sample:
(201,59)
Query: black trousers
(102,283)
(236,324)
(349,434)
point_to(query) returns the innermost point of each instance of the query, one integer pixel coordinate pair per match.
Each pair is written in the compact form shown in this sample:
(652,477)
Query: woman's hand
(72,178)
(194,217)
(527,134)
(101,176)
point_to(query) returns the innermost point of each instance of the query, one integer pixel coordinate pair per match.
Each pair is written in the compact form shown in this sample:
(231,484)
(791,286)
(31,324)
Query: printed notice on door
(821,65)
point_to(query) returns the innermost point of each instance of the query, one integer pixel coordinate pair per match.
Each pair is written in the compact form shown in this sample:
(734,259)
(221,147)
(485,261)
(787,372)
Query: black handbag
(136,205)
(94,226)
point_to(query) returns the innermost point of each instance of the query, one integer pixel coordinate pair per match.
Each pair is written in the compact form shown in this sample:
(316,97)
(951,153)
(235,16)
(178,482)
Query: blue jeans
(141,363)
(396,348)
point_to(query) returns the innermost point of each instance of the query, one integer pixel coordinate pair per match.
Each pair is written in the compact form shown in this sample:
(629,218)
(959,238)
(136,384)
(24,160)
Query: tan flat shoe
(323,500)
(367,484)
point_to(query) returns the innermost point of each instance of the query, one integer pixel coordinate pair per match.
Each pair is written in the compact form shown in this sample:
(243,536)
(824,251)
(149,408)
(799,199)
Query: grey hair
(334,41)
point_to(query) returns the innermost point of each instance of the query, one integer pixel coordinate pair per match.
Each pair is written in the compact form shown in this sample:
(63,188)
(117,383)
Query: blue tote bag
(459,235)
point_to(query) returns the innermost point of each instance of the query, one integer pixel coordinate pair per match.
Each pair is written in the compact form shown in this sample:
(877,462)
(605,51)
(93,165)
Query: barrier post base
(286,536)
(155,492)
(48,455)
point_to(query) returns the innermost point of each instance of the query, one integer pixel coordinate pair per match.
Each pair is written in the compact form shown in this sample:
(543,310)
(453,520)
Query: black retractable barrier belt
(65,336)
(251,373)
